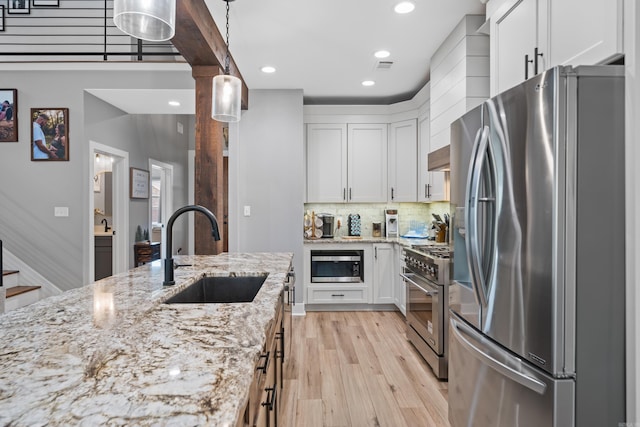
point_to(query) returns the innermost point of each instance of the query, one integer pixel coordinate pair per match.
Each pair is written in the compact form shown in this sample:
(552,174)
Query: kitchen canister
(354,225)
(376,230)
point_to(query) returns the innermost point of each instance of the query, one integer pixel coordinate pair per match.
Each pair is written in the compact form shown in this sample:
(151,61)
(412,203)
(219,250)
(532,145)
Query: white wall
(57,247)
(459,77)
(266,173)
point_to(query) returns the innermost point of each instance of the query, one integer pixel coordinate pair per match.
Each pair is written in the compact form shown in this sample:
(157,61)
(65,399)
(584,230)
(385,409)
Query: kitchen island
(112,353)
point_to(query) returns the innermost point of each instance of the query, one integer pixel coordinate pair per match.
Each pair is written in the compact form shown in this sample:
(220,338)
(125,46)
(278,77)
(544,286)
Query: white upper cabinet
(515,39)
(403,161)
(585,32)
(530,36)
(367,163)
(346,163)
(431,185)
(326,163)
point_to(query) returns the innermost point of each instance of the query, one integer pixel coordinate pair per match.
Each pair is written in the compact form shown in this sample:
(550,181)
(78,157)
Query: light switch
(247,211)
(61,211)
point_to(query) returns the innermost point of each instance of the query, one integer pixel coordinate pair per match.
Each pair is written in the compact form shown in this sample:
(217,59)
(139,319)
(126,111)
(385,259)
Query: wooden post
(209,177)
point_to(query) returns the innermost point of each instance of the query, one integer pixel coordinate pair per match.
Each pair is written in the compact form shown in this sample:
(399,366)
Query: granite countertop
(111,353)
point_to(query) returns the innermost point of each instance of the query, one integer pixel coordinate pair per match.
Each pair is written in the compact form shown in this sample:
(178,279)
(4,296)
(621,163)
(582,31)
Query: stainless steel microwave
(337,266)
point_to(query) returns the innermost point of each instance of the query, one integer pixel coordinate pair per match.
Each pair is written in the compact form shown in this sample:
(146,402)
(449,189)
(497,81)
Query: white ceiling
(324,47)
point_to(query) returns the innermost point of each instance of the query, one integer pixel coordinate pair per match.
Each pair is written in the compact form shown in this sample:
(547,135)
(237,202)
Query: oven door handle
(407,278)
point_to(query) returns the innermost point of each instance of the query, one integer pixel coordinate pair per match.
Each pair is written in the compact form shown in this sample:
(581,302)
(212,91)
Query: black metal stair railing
(74,30)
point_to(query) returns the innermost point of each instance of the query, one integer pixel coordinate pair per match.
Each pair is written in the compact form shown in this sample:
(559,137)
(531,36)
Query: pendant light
(151,20)
(225,102)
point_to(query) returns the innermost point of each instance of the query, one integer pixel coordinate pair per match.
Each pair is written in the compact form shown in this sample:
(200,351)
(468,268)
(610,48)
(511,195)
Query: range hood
(438,160)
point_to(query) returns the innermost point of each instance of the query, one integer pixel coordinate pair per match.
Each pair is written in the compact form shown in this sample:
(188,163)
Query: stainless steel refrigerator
(537,301)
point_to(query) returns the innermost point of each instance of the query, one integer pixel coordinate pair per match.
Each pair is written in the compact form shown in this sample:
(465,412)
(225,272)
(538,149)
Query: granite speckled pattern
(112,353)
(402,241)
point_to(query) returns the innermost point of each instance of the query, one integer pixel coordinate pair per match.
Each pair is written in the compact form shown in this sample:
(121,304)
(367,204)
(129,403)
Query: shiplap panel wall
(459,77)
(74,27)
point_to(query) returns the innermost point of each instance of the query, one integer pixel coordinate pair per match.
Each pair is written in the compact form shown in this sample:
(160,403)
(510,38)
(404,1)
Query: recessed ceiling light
(404,7)
(268,69)
(382,54)
(174,103)
(368,83)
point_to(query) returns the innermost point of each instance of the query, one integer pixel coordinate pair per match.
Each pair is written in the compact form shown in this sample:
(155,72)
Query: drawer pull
(271,400)
(266,363)
(337,295)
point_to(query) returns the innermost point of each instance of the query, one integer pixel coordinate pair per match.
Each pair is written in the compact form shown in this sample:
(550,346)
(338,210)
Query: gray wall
(57,247)
(266,172)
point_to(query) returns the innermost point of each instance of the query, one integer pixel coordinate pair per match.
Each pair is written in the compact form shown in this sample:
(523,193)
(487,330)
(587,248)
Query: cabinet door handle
(527,61)
(271,401)
(535,60)
(429,191)
(391,193)
(425,191)
(263,368)
(344,194)
(376,252)
(349,194)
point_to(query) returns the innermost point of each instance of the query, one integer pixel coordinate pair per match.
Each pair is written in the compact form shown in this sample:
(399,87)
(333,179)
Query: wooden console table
(145,252)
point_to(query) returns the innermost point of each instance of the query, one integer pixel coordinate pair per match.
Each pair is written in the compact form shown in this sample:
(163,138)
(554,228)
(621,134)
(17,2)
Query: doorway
(161,201)
(113,208)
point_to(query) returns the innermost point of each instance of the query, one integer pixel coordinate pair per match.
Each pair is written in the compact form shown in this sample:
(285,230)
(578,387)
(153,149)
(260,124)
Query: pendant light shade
(225,105)
(227,90)
(151,20)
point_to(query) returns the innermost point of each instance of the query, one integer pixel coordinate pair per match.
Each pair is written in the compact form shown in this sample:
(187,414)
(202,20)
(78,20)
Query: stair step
(10,278)
(9,272)
(17,290)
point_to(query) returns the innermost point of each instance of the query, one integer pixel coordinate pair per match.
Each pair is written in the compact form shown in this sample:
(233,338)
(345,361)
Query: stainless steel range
(426,273)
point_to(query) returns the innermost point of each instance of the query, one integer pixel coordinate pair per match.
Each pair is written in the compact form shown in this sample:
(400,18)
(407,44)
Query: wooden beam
(209,176)
(199,41)
(438,160)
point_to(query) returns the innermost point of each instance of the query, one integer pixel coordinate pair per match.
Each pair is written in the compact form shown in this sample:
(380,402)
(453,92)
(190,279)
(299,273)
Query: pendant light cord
(226,60)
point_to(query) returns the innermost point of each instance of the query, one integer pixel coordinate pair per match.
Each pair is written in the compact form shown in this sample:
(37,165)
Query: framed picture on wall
(19,7)
(138,183)
(9,115)
(49,134)
(1,17)
(46,3)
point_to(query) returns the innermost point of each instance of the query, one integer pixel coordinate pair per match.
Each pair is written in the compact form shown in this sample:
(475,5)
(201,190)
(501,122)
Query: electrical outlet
(247,211)
(61,211)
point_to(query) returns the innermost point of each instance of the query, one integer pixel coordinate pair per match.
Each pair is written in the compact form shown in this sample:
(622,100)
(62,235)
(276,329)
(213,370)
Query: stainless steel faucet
(168,262)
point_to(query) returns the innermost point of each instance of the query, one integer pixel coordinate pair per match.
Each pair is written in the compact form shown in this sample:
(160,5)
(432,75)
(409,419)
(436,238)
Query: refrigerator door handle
(471,213)
(525,380)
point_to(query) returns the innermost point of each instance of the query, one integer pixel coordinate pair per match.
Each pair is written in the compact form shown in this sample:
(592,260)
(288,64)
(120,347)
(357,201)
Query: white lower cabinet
(380,274)
(383,273)
(337,294)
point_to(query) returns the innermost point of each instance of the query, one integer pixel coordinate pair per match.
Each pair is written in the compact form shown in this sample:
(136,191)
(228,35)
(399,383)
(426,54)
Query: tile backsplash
(408,214)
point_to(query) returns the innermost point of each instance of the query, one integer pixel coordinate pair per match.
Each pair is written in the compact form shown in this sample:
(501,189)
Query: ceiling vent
(383,65)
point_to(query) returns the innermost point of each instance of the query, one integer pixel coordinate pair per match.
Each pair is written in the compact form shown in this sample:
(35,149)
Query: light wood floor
(358,369)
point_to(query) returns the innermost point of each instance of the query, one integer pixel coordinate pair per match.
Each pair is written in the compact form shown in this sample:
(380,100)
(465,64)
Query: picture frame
(138,183)
(8,115)
(19,7)
(1,17)
(45,3)
(50,134)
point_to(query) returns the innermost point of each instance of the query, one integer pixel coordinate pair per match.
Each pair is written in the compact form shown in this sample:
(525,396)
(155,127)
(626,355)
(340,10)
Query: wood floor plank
(335,412)
(358,369)
(358,399)
(309,413)
(310,382)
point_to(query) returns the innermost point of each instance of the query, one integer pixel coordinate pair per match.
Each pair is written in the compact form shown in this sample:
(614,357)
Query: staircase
(17,294)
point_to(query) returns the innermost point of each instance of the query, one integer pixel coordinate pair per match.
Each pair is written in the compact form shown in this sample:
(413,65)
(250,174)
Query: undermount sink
(220,289)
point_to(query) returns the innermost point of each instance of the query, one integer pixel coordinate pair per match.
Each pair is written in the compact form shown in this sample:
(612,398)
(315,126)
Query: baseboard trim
(298,309)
